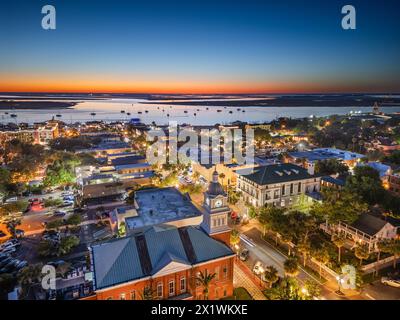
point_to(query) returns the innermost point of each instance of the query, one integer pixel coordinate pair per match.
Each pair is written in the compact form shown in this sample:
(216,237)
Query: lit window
(217,273)
(160,289)
(171,288)
(183,284)
(122,296)
(225,272)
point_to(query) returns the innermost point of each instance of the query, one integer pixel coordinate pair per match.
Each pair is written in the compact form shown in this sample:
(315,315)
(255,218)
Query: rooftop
(332,180)
(276,173)
(325,154)
(156,206)
(369,224)
(128,159)
(132,166)
(144,254)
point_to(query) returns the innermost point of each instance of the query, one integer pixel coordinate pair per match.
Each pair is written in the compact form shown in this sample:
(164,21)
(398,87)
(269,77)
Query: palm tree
(395,250)
(287,238)
(196,175)
(147,293)
(291,267)
(339,242)
(234,238)
(222,177)
(361,252)
(271,275)
(304,248)
(264,217)
(354,140)
(322,256)
(392,247)
(205,280)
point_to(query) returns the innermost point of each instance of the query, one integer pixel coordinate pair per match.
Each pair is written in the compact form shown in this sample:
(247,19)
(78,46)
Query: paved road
(262,251)
(378,291)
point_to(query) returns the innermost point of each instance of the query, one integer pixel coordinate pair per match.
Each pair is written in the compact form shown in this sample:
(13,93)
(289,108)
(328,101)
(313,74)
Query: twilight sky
(200,47)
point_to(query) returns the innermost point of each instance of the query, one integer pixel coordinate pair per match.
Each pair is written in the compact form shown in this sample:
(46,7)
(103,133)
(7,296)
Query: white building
(278,184)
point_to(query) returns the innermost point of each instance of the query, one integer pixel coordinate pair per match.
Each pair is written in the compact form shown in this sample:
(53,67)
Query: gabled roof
(369,224)
(145,254)
(277,173)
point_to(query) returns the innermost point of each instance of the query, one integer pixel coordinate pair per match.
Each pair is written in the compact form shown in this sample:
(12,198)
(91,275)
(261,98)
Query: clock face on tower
(218,203)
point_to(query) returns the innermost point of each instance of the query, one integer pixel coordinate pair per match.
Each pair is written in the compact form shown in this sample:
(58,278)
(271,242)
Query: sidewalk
(241,279)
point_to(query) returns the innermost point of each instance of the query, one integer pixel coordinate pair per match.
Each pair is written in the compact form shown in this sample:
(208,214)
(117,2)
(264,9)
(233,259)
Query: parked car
(258,267)
(5,262)
(13,199)
(56,263)
(8,250)
(19,233)
(21,264)
(237,220)
(244,255)
(59,213)
(393,282)
(10,244)
(51,236)
(3,256)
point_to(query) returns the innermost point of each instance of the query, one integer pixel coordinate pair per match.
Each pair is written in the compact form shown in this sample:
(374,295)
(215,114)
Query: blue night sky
(200,47)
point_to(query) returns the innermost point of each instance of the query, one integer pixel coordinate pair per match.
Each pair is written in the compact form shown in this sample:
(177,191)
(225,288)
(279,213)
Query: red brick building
(165,261)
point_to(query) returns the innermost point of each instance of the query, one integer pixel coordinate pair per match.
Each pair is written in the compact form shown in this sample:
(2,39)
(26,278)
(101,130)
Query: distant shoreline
(292,101)
(35,105)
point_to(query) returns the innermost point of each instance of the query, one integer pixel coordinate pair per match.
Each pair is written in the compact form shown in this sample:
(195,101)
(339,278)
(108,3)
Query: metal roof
(144,254)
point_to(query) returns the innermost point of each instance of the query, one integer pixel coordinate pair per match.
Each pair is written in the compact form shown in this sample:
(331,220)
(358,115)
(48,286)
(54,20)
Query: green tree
(271,275)
(331,166)
(147,293)
(29,276)
(291,267)
(66,245)
(304,247)
(7,283)
(234,237)
(339,206)
(367,184)
(204,279)
(55,224)
(12,225)
(312,288)
(322,256)
(361,252)
(122,229)
(74,219)
(222,177)
(63,268)
(339,242)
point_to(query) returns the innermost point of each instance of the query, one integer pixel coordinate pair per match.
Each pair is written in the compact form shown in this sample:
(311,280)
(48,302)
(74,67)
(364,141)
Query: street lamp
(304,291)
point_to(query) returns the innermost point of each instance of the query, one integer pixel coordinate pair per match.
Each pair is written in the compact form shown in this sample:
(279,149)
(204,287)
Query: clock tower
(215,219)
